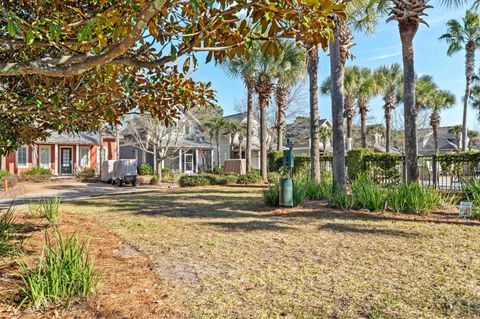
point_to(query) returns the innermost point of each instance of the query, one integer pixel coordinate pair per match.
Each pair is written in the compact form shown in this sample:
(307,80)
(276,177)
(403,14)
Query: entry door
(45,156)
(188,163)
(66,161)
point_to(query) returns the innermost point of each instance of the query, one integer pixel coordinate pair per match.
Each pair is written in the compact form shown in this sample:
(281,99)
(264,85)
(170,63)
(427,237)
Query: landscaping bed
(127,287)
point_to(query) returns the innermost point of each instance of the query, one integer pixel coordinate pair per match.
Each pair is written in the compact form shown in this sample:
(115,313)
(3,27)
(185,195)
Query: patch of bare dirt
(128,287)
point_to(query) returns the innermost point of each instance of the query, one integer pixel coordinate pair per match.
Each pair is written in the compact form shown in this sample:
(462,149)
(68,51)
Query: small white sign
(465,209)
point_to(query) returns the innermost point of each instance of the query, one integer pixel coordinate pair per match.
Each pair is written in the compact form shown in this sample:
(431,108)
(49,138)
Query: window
(22,156)
(84,155)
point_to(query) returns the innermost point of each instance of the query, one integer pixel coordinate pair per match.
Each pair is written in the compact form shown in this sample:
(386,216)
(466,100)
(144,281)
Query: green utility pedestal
(286,192)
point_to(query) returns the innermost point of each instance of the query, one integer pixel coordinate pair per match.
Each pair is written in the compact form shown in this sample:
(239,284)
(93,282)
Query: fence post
(434,170)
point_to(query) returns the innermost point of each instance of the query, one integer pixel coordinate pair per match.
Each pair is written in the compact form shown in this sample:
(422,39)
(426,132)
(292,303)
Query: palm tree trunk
(408,30)
(248,153)
(434,123)
(312,64)
(263,138)
(217,137)
(337,71)
(387,129)
(349,132)
(469,69)
(240,141)
(281,98)
(363,129)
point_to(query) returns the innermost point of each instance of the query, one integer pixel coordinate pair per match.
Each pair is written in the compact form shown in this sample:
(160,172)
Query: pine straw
(128,288)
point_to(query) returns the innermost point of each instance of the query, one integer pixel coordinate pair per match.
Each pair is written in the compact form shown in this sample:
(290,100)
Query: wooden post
(5,185)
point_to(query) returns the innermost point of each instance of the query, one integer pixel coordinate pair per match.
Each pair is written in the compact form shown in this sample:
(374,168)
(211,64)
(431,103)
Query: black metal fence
(434,171)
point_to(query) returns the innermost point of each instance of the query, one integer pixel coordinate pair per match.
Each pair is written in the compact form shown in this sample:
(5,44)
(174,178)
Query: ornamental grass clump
(50,209)
(271,196)
(322,190)
(63,274)
(7,229)
(366,194)
(414,199)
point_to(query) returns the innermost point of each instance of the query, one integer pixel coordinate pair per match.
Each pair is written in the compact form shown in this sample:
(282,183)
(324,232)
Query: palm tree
(351,87)
(368,89)
(325,136)
(232,127)
(245,67)
(459,36)
(409,15)
(425,87)
(457,130)
(472,135)
(440,100)
(362,16)
(290,69)
(215,126)
(266,70)
(390,79)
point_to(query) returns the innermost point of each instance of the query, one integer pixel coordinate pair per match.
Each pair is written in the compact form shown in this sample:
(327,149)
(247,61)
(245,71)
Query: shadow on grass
(234,203)
(252,226)
(357,229)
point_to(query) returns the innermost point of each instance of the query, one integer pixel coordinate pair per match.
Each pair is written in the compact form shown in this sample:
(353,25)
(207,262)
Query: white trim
(71,158)
(196,161)
(57,164)
(47,147)
(26,157)
(185,162)
(79,163)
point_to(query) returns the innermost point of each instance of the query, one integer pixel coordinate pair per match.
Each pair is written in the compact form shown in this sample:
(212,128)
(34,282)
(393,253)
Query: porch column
(211,159)
(77,156)
(196,160)
(180,162)
(56,159)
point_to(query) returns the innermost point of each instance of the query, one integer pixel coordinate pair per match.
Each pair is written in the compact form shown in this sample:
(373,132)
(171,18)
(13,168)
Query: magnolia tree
(152,136)
(73,67)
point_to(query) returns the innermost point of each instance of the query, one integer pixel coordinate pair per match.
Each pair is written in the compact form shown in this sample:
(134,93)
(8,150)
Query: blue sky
(372,51)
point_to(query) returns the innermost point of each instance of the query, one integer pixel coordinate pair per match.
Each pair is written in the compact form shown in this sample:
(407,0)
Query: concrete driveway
(70,190)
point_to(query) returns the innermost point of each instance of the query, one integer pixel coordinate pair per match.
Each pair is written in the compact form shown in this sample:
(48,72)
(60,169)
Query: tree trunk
(155,159)
(387,129)
(117,142)
(337,71)
(240,141)
(263,138)
(248,154)
(312,62)
(408,30)
(469,69)
(281,98)
(217,138)
(349,132)
(363,122)
(159,170)
(434,120)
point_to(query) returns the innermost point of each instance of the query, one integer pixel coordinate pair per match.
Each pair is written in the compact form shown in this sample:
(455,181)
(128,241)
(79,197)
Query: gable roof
(300,129)
(83,138)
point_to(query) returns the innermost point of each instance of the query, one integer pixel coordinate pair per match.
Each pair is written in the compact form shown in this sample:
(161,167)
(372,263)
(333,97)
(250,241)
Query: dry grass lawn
(223,255)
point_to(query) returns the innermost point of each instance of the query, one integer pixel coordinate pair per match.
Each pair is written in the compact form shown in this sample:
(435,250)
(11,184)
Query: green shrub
(63,273)
(90,173)
(4,173)
(414,199)
(252,177)
(217,170)
(322,190)
(472,192)
(366,193)
(384,167)
(274,177)
(228,179)
(300,186)
(271,195)
(340,199)
(7,228)
(194,180)
(37,174)
(275,161)
(355,162)
(145,169)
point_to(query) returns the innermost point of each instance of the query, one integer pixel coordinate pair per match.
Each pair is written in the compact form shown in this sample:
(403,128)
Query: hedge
(194,180)
(37,174)
(275,162)
(380,166)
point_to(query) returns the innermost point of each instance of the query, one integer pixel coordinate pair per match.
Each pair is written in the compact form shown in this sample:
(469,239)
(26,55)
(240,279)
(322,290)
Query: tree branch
(84,62)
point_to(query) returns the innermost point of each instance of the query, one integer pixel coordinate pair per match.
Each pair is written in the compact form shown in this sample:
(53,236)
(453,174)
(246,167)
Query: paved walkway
(71,190)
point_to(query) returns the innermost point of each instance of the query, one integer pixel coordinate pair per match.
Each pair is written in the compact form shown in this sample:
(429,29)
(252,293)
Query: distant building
(299,130)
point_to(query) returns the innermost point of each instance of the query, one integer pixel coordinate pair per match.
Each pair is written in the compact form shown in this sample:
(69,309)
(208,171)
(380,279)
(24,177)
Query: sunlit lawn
(223,255)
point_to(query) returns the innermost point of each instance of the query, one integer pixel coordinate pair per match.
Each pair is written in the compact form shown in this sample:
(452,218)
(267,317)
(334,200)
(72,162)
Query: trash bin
(286,192)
